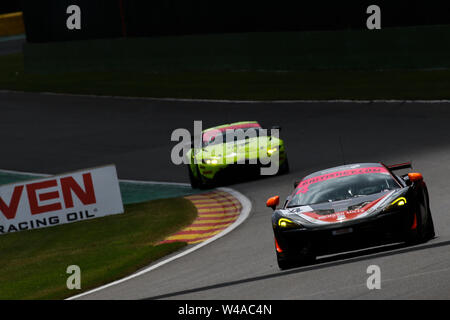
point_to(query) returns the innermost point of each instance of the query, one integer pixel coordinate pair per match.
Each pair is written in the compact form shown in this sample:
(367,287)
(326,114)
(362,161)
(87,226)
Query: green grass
(33,263)
(319,84)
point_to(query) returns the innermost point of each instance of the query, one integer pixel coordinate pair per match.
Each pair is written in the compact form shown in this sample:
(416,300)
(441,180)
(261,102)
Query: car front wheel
(288,261)
(195,182)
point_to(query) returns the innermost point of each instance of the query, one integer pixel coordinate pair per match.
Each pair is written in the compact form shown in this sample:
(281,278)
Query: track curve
(48,133)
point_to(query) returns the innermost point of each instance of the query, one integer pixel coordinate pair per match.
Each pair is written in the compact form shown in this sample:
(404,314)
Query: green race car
(234,151)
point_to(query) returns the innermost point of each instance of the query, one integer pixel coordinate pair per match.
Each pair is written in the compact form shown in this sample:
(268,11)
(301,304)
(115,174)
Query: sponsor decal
(51,201)
(209,134)
(298,210)
(343,215)
(303,186)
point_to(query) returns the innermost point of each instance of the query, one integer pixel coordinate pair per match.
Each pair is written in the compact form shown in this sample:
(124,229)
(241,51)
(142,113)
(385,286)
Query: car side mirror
(273,202)
(415,177)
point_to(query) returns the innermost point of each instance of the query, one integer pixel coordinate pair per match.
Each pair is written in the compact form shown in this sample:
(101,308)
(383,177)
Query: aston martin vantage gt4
(235,151)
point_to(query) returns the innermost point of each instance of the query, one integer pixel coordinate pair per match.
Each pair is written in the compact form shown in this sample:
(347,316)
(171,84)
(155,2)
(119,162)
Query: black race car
(350,206)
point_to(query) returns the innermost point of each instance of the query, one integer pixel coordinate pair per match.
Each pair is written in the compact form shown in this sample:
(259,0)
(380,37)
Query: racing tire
(294,261)
(430,233)
(195,183)
(285,264)
(198,183)
(423,233)
(284,168)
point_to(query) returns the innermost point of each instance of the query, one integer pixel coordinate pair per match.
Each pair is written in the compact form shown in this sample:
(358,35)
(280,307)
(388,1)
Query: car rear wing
(399,166)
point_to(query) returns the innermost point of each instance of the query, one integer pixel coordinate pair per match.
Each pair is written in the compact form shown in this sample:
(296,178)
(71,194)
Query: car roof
(235,125)
(342,168)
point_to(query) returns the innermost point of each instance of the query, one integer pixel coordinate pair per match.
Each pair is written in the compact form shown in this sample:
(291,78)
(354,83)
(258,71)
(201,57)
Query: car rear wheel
(430,228)
(284,168)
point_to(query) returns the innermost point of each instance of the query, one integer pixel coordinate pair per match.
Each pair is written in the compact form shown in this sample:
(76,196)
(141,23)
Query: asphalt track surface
(52,134)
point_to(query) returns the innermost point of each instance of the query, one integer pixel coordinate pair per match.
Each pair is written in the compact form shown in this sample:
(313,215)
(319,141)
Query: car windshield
(340,187)
(218,136)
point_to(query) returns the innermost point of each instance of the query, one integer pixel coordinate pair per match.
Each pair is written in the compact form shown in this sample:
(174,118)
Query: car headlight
(211,160)
(272,150)
(285,223)
(397,203)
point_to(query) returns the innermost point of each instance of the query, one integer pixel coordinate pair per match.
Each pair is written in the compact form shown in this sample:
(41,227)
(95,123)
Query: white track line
(390,101)
(246,208)
(157,182)
(121,180)
(25,173)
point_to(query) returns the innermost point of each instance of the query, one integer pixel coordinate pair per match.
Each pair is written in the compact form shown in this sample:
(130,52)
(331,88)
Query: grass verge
(33,263)
(318,85)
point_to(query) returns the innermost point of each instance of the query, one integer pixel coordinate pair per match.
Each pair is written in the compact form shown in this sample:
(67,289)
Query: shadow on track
(321,263)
